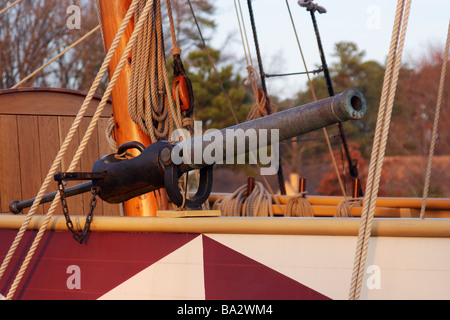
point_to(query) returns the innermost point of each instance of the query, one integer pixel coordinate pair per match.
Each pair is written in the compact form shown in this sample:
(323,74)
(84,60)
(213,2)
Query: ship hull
(302,259)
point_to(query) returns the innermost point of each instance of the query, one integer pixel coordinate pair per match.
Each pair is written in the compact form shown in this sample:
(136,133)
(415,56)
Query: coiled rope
(238,204)
(379,145)
(299,206)
(150,103)
(344,208)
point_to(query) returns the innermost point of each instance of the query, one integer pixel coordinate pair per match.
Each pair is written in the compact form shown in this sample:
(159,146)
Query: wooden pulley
(183,91)
(183,84)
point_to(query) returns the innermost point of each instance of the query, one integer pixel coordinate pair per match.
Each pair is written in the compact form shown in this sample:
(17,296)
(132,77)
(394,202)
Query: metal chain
(78,236)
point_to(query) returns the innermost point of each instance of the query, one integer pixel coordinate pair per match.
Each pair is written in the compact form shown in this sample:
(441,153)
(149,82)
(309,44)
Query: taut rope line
(435,127)
(10,6)
(73,45)
(379,145)
(80,150)
(325,131)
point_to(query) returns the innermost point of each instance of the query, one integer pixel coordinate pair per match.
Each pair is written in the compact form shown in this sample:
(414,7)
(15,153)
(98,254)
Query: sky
(368,23)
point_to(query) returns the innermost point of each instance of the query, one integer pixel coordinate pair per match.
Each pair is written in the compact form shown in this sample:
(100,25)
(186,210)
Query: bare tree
(30,33)
(34,31)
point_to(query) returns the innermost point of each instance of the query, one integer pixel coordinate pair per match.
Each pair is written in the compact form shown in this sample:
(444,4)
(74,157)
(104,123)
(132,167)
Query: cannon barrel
(349,105)
(126,179)
(148,172)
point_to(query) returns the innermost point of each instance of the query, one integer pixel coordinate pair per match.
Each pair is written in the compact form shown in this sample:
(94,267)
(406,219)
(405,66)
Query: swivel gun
(161,165)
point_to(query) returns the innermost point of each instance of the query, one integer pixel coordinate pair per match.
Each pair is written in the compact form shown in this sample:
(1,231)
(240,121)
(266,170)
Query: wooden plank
(45,101)
(65,123)
(188,213)
(30,162)
(10,187)
(105,149)
(49,147)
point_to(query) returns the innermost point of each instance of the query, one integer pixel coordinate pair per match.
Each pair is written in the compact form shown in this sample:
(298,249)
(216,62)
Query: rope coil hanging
(149,102)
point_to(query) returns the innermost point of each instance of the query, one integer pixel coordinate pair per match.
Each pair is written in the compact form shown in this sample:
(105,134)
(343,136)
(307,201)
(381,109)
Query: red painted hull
(110,259)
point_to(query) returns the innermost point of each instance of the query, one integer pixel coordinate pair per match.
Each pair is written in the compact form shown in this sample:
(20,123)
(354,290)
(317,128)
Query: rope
(225,93)
(82,146)
(435,127)
(10,6)
(259,109)
(280,174)
(379,145)
(57,57)
(216,73)
(257,204)
(299,206)
(149,103)
(344,208)
(325,131)
(176,50)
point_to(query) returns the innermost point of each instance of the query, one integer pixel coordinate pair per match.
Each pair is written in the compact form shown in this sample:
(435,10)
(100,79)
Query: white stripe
(178,276)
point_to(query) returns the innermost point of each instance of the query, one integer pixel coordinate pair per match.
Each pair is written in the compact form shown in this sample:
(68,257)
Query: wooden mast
(112,14)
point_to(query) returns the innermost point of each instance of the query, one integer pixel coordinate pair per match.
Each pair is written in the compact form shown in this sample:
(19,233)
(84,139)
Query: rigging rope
(325,131)
(225,93)
(216,73)
(264,93)
(379,145)
(435,127)
(261,107)
(73,45)
(10,6)
(69,138)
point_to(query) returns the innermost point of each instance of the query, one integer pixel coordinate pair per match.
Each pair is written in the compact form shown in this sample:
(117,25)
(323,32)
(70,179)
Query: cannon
(162,164)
